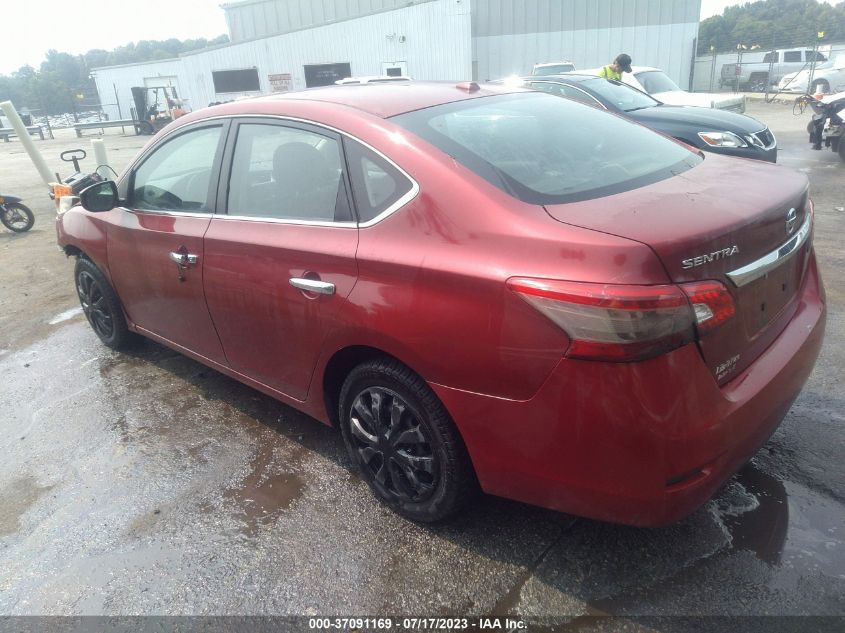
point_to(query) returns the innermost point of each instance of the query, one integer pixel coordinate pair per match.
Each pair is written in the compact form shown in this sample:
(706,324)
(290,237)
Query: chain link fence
(816,66)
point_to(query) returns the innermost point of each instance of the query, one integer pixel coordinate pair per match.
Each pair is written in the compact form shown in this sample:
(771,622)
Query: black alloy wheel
(101,306)
(392,446)
(94,305)
(403,442)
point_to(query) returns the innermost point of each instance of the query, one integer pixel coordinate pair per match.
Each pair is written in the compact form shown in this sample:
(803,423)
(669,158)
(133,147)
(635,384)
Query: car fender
(78,230)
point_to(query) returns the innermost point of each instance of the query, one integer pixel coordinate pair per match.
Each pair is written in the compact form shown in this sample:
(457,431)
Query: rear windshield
(655,81)
(543,149)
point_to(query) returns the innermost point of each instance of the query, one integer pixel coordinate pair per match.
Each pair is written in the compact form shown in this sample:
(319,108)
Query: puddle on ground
(754,509)
(15,499)
(760,524)
(264,492)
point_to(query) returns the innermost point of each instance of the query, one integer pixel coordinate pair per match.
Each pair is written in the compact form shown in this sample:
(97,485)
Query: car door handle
(312,285)
(183,259)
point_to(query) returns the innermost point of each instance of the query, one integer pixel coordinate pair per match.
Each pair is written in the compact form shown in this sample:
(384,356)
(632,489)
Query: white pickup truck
(757,75)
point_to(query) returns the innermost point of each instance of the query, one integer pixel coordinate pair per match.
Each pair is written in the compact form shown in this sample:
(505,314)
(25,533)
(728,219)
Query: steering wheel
(157,198)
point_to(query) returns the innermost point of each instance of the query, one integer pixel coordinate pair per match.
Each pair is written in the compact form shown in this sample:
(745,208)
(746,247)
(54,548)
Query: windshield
(622,96)
(553,69)
(654,81)
(543,149)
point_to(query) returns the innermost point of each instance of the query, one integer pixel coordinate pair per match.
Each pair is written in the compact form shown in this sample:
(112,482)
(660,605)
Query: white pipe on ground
(100,156)
(26,141)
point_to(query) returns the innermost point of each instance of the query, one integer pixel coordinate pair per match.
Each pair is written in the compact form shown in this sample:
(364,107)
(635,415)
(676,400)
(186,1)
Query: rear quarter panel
(431,288)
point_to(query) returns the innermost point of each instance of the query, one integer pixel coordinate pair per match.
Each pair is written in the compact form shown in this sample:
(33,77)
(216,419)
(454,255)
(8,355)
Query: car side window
(562,90)
(176,175)
(287,173)
(792,56)
(814,56)
(544,86)
(771,58)
(376,184)
(579,95)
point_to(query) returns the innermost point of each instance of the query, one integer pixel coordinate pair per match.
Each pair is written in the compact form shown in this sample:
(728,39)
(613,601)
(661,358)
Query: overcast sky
(32,27)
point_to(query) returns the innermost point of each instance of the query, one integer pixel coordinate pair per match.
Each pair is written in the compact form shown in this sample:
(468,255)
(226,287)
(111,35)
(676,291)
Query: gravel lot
(145,483)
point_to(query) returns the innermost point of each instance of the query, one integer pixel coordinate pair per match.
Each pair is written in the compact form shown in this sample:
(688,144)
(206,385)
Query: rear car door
(281,262)
(155,246)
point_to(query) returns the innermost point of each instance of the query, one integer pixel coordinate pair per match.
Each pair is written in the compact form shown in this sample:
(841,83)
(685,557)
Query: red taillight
(711,302)
(627,322)
(612,322)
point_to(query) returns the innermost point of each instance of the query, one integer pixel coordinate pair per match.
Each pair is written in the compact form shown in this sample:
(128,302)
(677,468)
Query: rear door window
(287,173)
(377,185)
(792,56)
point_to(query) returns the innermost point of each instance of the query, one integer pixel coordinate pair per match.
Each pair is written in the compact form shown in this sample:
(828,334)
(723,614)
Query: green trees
(772,24)
(63,83)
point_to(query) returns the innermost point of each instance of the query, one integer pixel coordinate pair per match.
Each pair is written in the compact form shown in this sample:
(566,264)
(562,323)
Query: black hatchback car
(705,128)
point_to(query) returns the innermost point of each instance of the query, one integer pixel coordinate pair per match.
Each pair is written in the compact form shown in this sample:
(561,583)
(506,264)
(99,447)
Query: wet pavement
(146,483)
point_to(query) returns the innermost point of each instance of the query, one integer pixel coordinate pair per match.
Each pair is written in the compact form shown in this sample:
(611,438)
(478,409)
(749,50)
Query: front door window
(177,175)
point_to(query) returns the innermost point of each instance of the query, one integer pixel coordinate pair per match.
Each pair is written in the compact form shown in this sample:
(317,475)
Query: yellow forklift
(155,107)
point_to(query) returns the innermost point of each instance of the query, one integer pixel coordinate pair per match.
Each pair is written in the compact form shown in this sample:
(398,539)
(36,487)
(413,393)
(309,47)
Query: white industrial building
(281,45)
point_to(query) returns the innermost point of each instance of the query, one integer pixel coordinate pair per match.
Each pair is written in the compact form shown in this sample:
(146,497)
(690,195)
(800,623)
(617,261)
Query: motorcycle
(827,127)
(15,215)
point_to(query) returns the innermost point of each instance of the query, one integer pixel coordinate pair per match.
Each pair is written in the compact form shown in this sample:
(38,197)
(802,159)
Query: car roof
(369,79)
(387,99)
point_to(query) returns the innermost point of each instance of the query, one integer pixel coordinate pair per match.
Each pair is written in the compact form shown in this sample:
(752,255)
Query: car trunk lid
(710,223)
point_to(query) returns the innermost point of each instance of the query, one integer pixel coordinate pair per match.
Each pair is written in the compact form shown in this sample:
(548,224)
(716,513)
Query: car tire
(403,442)
(101,306)
(821,85)
(16,217)
(758,80)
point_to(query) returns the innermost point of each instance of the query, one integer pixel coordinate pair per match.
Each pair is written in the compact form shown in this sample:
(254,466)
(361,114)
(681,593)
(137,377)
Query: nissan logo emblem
(791,220)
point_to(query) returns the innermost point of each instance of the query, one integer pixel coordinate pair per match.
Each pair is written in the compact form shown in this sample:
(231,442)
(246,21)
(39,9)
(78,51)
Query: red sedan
(480,286)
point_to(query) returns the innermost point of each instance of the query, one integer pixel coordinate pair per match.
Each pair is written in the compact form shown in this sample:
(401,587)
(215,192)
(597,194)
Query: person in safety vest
(622,64)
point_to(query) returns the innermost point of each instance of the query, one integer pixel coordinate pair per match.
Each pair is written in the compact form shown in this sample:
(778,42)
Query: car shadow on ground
(576,565)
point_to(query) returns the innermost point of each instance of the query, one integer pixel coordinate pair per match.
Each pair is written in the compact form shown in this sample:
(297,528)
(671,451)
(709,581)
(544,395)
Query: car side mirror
(101,196)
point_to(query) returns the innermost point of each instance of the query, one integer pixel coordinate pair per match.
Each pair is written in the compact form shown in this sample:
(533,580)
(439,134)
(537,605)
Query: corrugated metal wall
(432,38)
(509,36)
(122,78)
(260,18)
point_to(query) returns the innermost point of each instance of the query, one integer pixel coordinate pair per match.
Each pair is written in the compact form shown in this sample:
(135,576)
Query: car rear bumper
(638,443)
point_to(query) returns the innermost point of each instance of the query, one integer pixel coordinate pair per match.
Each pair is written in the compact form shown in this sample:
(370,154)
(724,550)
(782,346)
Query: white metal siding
(669,47)
(122,78)
(510,37)
(503,17)
(437,45)
(262,18)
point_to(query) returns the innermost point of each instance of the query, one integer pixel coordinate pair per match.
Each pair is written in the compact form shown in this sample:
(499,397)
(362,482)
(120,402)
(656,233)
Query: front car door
(155,245)
(281,262)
